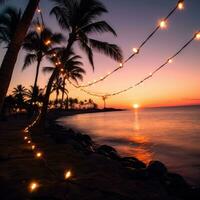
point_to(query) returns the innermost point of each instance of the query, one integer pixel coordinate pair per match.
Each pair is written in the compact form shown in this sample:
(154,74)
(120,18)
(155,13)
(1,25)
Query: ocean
(170,135)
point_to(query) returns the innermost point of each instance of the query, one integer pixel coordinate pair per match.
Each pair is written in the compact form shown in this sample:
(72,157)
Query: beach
(96,172)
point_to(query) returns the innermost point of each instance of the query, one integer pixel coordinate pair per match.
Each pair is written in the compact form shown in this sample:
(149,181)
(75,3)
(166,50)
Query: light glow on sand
(38,154)
(33,186)
(68,174)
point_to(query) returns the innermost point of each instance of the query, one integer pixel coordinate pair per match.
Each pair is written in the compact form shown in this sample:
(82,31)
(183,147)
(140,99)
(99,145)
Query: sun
(136,106)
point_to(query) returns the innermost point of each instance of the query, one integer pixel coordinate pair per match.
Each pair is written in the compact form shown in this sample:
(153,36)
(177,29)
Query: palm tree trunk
(37,72)
(67,103)
(63,91)
(40,125)
(36,79)
(10,57)
(41,122)
(56,100)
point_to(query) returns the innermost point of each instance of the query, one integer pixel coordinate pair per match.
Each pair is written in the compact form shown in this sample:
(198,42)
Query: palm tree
(38,45)
(57,87)
(10,57)
(78,17)
(9,20)
(71,69)
(37,93)
(19,93)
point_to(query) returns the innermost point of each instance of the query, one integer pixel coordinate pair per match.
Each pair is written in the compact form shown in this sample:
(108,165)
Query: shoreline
(98,172)
(140,165)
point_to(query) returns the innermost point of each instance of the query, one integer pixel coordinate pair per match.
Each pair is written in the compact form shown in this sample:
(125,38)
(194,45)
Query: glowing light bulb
(38,10)
(33,186)
(26,130)
(198,36)
(39,28)
(62,70)
(135,50)
(68,174)
(121,64)
(29,142)
(54,54)
(25,138)
(181,5)
(38,154)
(170,61)
(33,147)
(163,24)
(150,74)
(47,42)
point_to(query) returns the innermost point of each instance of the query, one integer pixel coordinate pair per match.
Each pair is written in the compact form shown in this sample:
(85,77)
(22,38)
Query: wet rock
(177,185)
(194,193)
(157,169)
(108,151)
(85,140)
(140,174)
(133,162)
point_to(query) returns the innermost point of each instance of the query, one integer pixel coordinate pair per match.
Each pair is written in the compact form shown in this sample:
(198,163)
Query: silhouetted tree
(14,46)
(79,18)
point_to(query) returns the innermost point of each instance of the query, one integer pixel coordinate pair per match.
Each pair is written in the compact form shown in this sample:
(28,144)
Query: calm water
(171,135)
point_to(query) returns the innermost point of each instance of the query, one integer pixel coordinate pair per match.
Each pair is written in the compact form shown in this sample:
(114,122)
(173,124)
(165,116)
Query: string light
(198,36)
(47,42)
(169,60)
(38,27)
(25,138)
(39,154)
(33,147)
(120,64)
(29,142)
(181,5)
(135,50)
(33,186)
(68,174)
(162,24)
(39,10)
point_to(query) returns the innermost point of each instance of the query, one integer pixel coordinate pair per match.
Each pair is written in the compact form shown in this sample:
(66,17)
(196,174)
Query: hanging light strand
(168,61)
(136,51)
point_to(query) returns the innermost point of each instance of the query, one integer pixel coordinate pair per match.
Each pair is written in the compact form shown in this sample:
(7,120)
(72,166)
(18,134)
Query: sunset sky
(133,20)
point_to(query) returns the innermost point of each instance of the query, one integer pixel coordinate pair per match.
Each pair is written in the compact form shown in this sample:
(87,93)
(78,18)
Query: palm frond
(29,59)
(88,51)
(98,27)
(111,50)
(47,69)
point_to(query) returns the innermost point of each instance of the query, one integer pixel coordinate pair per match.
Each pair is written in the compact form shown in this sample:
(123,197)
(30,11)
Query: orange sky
(177,84)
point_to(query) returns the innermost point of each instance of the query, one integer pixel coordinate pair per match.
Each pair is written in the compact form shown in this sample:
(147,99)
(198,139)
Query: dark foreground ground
(98,172)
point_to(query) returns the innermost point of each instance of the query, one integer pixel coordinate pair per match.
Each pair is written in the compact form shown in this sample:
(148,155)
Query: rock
(86,140)
(108,151)
(177,185)
(140,174)
(195,193)
(133,162)
(157,169)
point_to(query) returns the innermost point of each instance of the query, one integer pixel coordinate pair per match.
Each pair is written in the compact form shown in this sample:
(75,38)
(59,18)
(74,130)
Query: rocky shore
(98,171)
(155,171)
